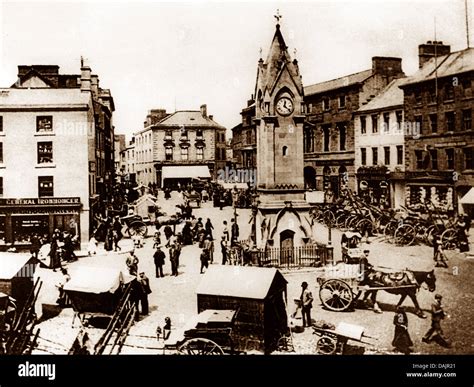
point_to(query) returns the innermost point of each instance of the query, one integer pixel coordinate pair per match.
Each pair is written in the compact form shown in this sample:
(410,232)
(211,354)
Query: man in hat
(159,258)
(437,314)
(306,300)
(145,291)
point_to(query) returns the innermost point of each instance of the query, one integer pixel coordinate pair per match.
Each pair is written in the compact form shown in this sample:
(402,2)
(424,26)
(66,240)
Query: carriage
(136,225)
(208,333)
(341,285)
(351,252)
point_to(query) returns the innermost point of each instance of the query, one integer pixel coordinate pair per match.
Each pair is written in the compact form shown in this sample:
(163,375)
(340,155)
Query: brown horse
(405,283)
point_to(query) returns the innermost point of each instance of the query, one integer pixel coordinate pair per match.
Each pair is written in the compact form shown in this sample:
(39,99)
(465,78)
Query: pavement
(175,297)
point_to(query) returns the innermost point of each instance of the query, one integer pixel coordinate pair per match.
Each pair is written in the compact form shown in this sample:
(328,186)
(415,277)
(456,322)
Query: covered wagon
(258,294)
(96,291)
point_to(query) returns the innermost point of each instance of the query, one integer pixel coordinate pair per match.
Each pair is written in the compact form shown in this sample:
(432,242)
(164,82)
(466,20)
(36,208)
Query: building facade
(439,99)
(127,162)
(54,153)
(379,140)
(244,139)
(178,147)
(119,147)
(329,129)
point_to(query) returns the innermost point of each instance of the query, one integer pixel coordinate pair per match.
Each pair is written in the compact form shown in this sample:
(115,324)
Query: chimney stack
(431,49)
(85,78)
(95,85)
(204,110)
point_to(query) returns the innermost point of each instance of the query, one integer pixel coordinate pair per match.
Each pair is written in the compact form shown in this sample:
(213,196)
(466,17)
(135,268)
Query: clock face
(284,106)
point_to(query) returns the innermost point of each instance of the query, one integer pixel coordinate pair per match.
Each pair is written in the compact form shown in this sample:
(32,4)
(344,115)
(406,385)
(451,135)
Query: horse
(405,283)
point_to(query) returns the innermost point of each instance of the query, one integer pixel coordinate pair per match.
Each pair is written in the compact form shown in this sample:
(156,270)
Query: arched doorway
(287,247)
(309,178)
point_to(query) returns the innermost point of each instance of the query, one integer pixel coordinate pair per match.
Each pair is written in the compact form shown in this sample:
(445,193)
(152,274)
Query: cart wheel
(429,235)
(365,226)
(449,239)
(138,228)
(390,229)
(200,346)
(326,345)
(336,295)
(405,235)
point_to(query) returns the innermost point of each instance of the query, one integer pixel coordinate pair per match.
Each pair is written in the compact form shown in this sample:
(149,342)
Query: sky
(180,55)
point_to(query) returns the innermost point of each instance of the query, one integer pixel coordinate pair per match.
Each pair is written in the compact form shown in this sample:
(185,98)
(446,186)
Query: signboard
(40,202)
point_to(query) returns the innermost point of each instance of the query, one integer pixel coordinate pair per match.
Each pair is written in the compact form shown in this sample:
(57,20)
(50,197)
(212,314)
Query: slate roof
(390,96)
(188,118)
(338,82)
(14,97)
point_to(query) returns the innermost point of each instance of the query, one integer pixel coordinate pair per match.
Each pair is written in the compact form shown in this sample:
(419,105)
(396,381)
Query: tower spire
(277,16)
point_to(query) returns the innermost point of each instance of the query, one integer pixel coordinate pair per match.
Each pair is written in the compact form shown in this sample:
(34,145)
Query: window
(468,158)
(467,119)
(386,122)
(449,121)
(199,133)
(326,134)
(432,95)
(363,156)
(308,140)
(169,153)
(375,124)
(419,124)
(45,186)
(399,154)
(342,101)
(184,153)
(466,86)
(199,153)
(363,125)
(44,123)
(1,186)
(450,158)
(386,155)
(284,151)
(184,133)
(1,152)
(375,156)
(1,124)
(418,97)
(325,104)
(449,92)
(434,123)
(342,137)
(45,152)
(168,134)
(434,159)
(399,116)
(419,159)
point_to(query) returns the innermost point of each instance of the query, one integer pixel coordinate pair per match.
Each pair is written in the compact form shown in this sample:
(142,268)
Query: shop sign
(40,201)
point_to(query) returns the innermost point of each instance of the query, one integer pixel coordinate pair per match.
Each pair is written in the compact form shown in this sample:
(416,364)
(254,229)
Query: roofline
(391,107)
(432,78)
(335,79)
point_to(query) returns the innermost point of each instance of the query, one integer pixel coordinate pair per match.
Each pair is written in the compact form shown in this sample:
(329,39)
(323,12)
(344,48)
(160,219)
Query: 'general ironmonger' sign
(39,201)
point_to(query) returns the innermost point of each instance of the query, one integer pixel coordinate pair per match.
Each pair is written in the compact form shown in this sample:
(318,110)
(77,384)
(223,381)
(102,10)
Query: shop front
(373,185)
(23,218)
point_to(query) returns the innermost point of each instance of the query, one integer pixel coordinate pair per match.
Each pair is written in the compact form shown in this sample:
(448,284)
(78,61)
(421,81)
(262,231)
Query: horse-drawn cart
(136,225)
(340,286)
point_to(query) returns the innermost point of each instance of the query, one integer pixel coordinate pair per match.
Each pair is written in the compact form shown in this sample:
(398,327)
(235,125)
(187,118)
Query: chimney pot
(204,110)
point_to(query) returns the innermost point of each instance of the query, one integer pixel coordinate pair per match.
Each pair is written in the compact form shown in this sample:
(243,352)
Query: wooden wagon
(208,333)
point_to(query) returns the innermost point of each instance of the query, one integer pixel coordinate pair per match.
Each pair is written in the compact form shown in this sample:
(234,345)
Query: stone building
(244,139)
(56,153)
(178,147)
(439,99)
(329,129)
(379,137)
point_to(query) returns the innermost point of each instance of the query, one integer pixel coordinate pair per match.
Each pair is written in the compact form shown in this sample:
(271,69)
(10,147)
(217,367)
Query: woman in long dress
(401,340)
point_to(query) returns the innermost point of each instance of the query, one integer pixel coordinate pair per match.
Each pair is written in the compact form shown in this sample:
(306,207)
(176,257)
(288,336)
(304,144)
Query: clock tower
(279,118)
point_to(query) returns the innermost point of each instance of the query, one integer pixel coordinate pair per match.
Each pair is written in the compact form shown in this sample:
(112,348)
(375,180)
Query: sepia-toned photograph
(236,178)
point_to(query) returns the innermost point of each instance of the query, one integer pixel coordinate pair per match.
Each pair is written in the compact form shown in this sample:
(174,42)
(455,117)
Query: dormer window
(199,133)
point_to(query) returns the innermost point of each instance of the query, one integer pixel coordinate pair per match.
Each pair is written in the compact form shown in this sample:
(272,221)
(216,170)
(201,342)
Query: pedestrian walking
(92,246)
(401,339)
(145,290)
(209,227)
(157,240)
(208,246)
(204,260)
(225,231)
(306,300)
(132,264)
(174,259)
(224,250)
(35,245)
(436,332)
(159,258)
(438,252)
(234,232)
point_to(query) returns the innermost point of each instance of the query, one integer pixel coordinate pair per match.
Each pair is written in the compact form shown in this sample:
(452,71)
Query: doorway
(287,247)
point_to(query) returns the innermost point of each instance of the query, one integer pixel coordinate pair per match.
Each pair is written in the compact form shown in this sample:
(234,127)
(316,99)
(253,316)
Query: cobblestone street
(175,297)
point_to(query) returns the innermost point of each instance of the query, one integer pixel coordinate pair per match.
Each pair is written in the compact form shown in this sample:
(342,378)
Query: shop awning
(468,198)
(185,171)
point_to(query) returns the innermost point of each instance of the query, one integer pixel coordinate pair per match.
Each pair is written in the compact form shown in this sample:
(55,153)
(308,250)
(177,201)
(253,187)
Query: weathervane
(278,16)
(261,50)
